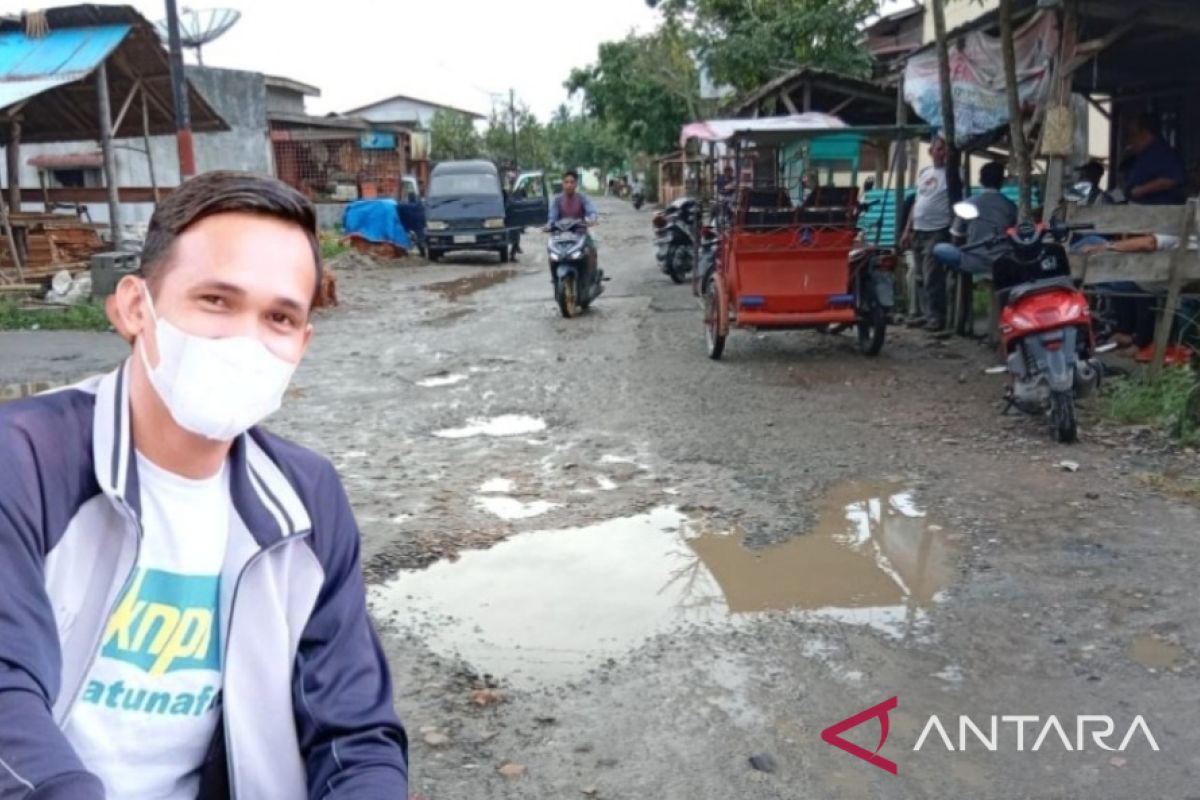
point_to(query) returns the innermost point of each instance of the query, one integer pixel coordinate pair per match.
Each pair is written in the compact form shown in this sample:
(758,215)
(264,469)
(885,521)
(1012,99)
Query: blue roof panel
(69,53)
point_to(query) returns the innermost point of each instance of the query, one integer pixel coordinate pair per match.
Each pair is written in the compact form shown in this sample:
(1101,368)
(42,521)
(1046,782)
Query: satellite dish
(198,27)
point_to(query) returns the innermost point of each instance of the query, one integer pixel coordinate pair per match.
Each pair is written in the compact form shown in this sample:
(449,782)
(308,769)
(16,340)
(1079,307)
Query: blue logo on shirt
(166,622)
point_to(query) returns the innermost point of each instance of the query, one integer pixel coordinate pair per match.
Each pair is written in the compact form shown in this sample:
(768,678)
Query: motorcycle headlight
(493,223)
(436,225)
(554,256)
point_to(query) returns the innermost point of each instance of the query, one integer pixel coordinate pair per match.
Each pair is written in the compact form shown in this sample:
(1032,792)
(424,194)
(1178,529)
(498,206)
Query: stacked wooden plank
(53,242)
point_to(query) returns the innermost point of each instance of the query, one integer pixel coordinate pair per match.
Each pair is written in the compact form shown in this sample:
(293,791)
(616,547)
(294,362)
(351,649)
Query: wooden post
(13,151)
(1016,125)
(110,158)
(146,142)
(12,242)
(953,162)
(901,172)
(1162,334)
(1060,92)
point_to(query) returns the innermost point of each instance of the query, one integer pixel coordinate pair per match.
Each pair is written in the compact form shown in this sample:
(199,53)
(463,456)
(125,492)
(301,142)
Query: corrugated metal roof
(29,67)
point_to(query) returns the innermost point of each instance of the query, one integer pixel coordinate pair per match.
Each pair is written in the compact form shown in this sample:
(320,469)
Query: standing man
(928,225)
(182,609)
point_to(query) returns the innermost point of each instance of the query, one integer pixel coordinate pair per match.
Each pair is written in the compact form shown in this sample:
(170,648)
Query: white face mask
(216,388)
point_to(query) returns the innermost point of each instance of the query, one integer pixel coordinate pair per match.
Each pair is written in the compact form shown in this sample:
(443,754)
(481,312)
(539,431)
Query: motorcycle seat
(1037,287)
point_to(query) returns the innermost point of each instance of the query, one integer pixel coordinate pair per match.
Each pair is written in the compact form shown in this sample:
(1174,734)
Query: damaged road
(605,566)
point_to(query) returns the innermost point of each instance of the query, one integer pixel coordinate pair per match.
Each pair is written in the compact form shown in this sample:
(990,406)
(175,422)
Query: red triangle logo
(833,734)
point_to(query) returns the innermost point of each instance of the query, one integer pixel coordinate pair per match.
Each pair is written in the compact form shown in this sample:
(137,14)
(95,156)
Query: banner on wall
(977,77)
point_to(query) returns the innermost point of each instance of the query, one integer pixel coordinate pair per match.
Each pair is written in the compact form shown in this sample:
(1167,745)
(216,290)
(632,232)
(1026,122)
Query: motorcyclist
(574,204)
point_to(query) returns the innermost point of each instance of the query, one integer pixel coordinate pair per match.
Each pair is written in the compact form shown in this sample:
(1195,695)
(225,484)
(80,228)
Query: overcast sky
(457,52)
(451,51)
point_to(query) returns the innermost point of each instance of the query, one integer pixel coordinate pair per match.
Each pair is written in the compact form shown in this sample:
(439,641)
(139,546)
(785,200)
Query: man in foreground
(182,612)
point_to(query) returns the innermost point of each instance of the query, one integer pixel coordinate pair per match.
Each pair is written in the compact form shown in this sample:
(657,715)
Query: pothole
(504,425)
(437,381)
(511,509)
(463,287)
(546,606)
(1154,653)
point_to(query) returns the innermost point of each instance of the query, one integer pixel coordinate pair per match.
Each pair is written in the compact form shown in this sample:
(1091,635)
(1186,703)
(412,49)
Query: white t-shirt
(151,701)
(931,210)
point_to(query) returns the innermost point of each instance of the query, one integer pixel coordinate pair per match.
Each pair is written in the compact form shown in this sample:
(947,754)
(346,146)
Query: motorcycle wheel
(712,336)
(677,265)
(1062,416)
(872,329)
(568,299)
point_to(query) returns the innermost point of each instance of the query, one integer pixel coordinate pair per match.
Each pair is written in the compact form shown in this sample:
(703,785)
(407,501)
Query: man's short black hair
(1092,171)
(571,174)
(992,175)
(219,192)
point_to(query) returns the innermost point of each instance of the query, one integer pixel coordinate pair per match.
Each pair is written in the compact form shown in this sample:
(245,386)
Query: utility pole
(512,117)
(183,118)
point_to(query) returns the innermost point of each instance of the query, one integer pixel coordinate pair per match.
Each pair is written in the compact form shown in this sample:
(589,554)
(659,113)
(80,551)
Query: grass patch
(1169,403)
(331,246)
(88,316)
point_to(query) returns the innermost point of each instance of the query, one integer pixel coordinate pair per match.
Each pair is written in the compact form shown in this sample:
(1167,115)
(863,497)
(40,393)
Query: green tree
(453,136)
(532,141)
(579,141)
(643,87)
(745,43)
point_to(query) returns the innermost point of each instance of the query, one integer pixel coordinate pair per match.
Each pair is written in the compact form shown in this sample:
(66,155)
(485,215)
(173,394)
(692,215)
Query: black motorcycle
(675,238)
(578,280)
(638,198)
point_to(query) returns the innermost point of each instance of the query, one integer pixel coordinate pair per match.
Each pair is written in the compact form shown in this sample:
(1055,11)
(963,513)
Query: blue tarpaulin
(375,221)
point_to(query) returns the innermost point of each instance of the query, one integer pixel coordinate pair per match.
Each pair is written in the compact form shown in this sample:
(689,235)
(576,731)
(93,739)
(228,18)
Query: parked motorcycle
(578,280)
(675,238)
(1045,323)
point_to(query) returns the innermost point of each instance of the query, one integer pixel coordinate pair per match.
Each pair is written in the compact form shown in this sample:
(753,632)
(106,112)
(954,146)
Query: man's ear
(127,309)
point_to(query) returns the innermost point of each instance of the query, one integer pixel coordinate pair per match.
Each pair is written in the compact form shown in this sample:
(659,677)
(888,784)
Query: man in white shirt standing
(182,609)
(928,225)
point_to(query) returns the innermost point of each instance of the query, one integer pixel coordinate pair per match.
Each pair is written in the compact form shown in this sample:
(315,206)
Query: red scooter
(1045,323)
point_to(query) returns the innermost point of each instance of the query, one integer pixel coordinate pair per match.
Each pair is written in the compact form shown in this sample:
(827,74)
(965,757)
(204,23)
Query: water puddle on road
(503,425)
(19,391)
(464,287)
(1152,652)
(510,508)
(438,381)
(544,607)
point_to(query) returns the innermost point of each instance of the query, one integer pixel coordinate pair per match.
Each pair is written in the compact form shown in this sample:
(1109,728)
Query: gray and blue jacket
(307,699)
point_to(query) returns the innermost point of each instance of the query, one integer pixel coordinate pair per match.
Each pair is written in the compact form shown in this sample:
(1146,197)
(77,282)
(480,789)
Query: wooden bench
(1170,268)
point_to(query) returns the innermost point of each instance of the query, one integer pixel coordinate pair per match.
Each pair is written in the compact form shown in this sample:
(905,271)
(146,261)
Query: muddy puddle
(464,287)
(1154,653)
(18,391)
(545,607)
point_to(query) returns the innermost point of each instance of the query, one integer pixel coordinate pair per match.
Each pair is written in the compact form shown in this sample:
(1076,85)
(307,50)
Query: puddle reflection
(548,605)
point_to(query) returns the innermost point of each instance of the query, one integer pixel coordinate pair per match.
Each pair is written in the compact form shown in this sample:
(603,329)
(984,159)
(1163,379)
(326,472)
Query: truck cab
(467,209)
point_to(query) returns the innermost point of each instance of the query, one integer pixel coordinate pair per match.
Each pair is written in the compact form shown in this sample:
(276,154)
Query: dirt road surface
(605,566)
